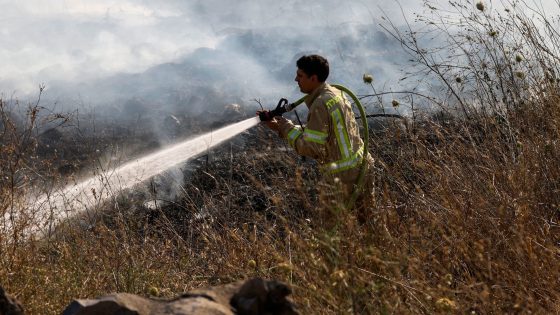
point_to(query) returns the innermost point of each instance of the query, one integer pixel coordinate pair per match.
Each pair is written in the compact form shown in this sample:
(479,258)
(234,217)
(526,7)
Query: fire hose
(284,106)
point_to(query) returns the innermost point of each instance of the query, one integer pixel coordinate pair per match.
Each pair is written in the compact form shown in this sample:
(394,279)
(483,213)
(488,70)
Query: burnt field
(457,225)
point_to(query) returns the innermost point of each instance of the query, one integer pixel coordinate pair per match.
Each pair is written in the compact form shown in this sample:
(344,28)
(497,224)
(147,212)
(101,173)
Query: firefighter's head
(312,71)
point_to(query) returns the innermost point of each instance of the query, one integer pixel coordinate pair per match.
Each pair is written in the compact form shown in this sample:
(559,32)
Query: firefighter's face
(305,82)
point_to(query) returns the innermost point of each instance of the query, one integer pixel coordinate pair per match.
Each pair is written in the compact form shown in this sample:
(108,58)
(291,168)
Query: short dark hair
(314,64)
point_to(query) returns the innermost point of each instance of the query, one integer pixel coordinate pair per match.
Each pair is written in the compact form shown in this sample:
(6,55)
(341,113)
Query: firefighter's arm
(312,140)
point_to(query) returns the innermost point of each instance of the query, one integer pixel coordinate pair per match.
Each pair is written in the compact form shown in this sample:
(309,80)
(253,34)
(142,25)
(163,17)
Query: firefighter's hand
(273,124)
(264,115)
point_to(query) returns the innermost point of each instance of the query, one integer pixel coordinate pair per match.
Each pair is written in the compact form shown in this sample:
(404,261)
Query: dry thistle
(252,264)
(448,279)
(338,275)
(284,267)
(446,304)
(368,78)
(480,6)
(153,291)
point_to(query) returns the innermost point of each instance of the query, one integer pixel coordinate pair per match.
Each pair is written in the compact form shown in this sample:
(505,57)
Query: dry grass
(467,220)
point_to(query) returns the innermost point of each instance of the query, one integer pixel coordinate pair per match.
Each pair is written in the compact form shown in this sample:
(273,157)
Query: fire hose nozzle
(281,108)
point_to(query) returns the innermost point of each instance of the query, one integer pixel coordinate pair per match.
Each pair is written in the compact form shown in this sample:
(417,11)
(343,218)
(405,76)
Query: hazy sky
(78,40)
(69,42)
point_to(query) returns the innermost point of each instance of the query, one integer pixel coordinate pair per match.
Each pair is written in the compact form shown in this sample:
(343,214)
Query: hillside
(466,217)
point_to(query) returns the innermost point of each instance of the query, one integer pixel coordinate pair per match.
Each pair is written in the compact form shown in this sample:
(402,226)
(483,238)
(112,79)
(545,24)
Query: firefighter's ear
(314,78)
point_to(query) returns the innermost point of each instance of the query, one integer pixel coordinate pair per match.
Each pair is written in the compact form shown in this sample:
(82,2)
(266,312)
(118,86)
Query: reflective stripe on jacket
(331,135)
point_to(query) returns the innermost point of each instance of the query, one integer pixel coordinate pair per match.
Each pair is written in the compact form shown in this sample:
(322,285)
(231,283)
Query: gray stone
(9,305)
(255,296)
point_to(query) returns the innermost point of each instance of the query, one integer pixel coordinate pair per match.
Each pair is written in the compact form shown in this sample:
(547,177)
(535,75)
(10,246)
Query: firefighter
(331,135)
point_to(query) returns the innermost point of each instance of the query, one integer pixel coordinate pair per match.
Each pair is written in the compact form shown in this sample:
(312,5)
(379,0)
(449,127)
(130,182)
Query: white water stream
(74,199)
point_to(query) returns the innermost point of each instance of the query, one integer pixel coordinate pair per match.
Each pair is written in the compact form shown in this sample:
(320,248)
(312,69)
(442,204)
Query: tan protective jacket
(331,136)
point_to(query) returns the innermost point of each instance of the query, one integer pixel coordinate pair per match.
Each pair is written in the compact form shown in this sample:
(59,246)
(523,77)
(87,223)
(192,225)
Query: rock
(255,296)
(260,297)
(8,305)
(130,304)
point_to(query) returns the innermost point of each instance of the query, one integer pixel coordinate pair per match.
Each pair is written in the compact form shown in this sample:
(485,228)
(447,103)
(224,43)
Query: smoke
(169,52)
(175,53)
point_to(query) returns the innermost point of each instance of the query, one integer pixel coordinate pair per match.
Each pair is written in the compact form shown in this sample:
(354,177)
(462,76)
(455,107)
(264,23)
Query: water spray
(87,194)
(91,192)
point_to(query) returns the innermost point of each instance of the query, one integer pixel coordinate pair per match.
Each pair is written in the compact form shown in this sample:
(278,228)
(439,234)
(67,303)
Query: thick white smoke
(75,47)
